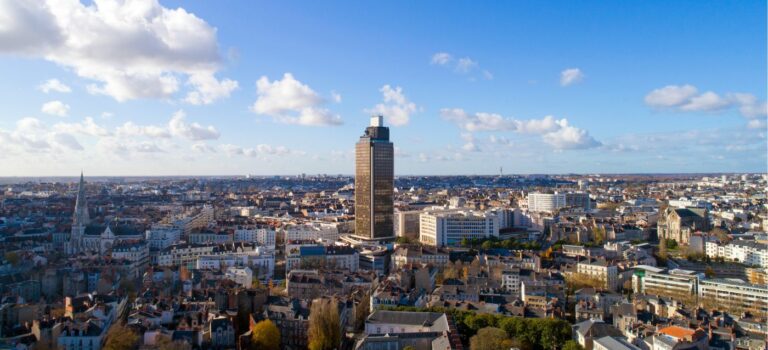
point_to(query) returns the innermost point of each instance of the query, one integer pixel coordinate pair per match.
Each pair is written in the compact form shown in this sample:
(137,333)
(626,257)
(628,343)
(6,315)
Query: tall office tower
(374,182)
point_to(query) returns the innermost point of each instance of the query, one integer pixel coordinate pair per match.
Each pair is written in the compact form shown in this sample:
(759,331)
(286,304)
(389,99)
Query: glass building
(374,182)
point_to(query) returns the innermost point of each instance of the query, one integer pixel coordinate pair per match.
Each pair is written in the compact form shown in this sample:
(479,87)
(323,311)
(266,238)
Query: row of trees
(524,333)
(492,338)
(493,242)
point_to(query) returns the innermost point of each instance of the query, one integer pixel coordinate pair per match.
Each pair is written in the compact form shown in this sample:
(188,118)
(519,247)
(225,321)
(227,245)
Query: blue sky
(207,88)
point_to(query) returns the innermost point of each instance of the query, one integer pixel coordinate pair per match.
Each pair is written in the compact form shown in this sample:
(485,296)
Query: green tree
(487,245)
(121,338)
(265,336)
(12,258)
(324,324)
(490,338)
(572,345)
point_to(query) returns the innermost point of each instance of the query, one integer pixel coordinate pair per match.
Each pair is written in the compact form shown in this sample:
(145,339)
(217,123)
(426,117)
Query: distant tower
(374,182)
(80,219)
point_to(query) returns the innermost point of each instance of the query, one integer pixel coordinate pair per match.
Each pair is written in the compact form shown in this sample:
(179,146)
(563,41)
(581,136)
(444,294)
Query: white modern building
(311,231)
(447,227)
(746,252)
(241,275)
(160,237)
(735,295)
(674,283)
(548,202)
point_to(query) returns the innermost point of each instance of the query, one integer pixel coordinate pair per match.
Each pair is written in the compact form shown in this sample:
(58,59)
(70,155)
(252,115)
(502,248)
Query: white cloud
(67,141)
(194,131)
(292,102)
(469,143)
(131,49)
(131,129)
(88,128)
(54,85)
(396,108)
(571,76)
(569,137)
(202,147)
(749,105)
(539,126)
(208,89)
(686,98)
(336,97)
(56,108)
(706,102)
(441,58)
(465,64)
(670,96)
(259,151)
(32,136)
(477,121)
(556,133)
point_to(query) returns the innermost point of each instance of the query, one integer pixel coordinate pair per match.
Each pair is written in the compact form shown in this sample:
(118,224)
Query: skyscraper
(374,182)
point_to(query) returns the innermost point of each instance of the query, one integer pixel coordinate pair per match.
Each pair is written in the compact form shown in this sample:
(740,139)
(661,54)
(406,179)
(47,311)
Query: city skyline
(274,88)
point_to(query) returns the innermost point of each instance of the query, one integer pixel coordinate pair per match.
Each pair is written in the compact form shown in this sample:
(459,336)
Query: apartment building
(448,227)
(735,295)
(677,284)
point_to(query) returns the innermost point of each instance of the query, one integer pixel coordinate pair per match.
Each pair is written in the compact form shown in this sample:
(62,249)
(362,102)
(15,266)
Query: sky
(200,87)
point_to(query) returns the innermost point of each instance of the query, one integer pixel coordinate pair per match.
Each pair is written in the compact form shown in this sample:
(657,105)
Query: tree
(166,343)
(490,338)
(12,258)
(362,310)
(265,335)
(487,245)
(121,338)
(709,272)
(572,345)
(324,324)
(663,249)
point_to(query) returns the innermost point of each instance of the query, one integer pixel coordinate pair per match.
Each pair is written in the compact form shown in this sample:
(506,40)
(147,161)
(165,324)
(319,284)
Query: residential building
(448,227)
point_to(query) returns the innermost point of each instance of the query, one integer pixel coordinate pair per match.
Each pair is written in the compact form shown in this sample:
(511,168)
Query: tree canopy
(324,324)
(265,336)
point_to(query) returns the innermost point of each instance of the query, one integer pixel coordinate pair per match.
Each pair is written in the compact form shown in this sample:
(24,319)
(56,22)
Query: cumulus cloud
(569,137)
(87,127)
(571,76)
(670,96)
(442,58)
(129,129)
(396,108)
(57,108)
(208,89)
(191,131)
(54,85)
(557,133)
(130,49)
(462,65)
(32,136)
(686,98)
(292,102)
(477,121)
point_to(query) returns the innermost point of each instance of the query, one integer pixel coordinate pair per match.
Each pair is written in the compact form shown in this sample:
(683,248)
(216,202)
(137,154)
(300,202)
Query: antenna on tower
(501,171)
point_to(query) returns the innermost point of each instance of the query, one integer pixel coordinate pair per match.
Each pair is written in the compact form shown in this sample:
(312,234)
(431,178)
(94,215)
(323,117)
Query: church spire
(81,217)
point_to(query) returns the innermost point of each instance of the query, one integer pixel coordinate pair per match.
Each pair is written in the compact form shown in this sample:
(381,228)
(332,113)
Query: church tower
(80,219)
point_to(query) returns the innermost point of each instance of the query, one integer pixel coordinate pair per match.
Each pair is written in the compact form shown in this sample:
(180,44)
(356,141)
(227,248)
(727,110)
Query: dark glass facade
(374,184)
